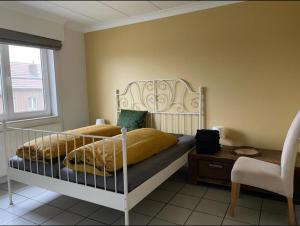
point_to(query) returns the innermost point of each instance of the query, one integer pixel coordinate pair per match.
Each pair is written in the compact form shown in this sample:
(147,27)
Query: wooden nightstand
(216,169)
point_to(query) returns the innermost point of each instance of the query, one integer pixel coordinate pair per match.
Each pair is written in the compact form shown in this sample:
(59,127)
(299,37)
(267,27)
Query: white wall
(16,21)
(70,62)
(70,71)
(71,81)
(71,89)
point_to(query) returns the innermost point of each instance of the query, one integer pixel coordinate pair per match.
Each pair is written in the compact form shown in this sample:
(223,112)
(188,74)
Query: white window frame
(8,106)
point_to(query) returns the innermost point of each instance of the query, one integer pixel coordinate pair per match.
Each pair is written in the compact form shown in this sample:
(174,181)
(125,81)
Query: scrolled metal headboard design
(172,104)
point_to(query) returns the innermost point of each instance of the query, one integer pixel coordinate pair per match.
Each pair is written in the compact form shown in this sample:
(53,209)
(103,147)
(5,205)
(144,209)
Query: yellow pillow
(56,145)
(141,144)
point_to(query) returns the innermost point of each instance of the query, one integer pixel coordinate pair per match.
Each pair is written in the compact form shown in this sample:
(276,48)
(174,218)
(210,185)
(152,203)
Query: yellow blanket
(52,146)
(141,144)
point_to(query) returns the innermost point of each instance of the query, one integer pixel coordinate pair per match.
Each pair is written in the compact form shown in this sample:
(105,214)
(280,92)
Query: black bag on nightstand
(207,141)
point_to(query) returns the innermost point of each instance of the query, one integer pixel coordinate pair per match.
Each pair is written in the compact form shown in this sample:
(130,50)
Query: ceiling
(87,16)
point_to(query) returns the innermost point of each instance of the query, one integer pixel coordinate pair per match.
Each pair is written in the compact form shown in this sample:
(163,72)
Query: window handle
(8,81)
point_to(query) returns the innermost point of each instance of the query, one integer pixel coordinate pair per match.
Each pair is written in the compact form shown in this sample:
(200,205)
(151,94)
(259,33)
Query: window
(32,104)
(1,93)
(24,78)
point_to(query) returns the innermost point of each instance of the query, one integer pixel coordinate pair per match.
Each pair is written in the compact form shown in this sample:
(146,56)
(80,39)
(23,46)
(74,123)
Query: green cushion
(131,119)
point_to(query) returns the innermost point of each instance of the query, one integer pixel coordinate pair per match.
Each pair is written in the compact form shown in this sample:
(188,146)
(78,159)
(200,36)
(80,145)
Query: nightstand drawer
(214,170)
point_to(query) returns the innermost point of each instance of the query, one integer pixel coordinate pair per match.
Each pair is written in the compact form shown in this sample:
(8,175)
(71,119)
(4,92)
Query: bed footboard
(40,163)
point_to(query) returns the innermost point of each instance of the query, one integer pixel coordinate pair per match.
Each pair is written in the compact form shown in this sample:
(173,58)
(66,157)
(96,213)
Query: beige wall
(246,54)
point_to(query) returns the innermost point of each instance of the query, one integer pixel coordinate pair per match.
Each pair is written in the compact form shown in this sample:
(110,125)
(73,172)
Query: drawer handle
(215,165)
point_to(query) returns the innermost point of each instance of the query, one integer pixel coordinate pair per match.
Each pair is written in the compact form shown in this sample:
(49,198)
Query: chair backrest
(289,154)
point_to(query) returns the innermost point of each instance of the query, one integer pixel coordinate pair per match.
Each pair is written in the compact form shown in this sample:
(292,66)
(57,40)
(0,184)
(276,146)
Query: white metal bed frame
(165,100)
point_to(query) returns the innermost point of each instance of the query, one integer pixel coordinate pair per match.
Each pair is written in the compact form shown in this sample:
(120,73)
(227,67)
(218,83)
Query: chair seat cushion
(259,174)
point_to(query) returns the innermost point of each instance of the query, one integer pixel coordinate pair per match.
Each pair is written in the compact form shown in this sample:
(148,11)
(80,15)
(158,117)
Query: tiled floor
(174,202)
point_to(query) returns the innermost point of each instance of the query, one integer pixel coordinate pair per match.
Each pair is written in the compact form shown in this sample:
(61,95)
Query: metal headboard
(172,104)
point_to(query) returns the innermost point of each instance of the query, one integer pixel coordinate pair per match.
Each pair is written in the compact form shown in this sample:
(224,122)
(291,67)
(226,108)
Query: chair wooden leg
(235,190)
(292,217)
(238,191)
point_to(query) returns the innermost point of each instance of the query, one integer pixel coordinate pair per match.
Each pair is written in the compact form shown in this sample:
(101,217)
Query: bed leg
(126,217)
(125,175)
(9,191)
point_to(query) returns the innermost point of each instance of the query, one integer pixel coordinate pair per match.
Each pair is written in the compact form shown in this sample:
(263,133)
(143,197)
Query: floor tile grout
(151,218)
(53,216)
(195,209)
(196,206)
(224,217)
(165,204)
(63,210)
(22,216)
(47,204)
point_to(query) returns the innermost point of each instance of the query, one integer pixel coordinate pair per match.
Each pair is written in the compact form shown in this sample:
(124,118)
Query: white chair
(269,176)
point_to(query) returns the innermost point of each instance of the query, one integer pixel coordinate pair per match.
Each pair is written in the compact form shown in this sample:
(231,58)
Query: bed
(173,107)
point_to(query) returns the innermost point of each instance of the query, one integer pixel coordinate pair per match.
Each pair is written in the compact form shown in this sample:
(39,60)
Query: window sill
(34,122)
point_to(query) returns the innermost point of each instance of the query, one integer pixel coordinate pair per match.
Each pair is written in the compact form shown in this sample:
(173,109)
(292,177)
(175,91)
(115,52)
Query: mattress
(138,173)
(18,163)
